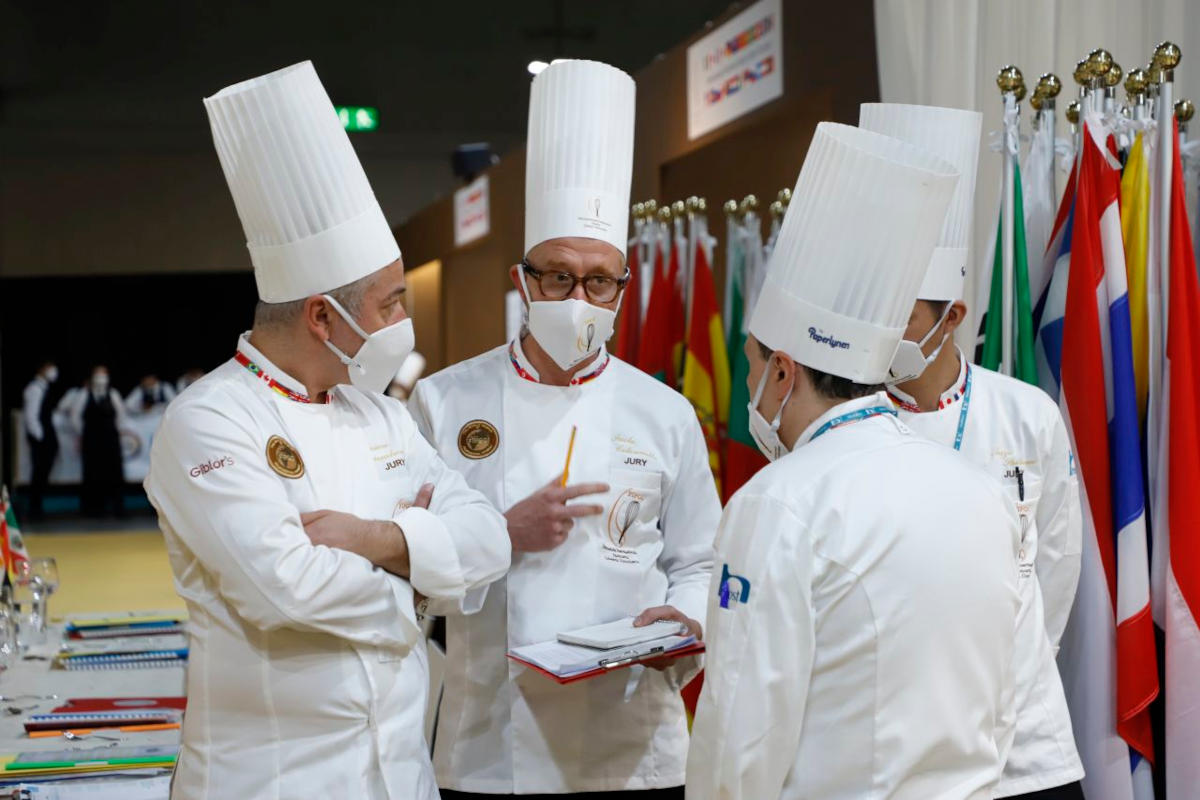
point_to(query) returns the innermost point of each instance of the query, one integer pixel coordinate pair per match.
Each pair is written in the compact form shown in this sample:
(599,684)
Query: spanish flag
(706,364)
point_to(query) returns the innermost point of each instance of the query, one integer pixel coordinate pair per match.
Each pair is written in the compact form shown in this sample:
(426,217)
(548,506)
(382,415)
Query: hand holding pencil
(543,520)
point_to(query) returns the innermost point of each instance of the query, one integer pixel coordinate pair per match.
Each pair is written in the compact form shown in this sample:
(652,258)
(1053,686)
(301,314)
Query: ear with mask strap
(910,360)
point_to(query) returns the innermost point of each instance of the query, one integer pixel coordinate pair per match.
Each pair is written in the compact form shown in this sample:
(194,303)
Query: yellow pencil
(570,449)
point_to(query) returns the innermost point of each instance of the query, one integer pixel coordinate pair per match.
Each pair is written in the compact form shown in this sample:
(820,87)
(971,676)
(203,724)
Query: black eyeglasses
(559,285)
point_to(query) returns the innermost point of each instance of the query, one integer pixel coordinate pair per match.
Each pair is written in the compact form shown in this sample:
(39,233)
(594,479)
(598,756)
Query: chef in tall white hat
(1015,432)
(855,648)
(307,674)
(638,543)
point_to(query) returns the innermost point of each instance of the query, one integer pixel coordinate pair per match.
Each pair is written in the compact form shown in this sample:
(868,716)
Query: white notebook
(567,660)
(621,633)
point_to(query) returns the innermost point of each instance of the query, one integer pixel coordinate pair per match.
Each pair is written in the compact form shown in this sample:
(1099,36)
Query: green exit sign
(358,118)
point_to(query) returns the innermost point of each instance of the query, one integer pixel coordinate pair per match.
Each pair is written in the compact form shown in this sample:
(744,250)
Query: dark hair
(831,387)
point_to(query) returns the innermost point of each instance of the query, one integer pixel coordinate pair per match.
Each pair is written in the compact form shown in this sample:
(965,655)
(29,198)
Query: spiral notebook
(157,658)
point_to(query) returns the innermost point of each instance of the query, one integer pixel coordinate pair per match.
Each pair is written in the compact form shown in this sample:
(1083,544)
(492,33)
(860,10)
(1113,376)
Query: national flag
(1135,229)
(11,541)
(631,309)
(742,457)
(1181,453)
(1037,194)
(654,346)
(1109,640)
(1052,294)
(1024,366)
(706,364)
(679,278)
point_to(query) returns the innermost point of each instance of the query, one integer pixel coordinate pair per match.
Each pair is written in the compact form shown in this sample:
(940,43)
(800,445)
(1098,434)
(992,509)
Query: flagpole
(1136,83)
(1184,111)
(1012,89)
(731,228)
(1048,88)
(1166,58)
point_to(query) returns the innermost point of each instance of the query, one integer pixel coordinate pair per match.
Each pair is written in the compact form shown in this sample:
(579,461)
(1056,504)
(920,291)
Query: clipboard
(605,666)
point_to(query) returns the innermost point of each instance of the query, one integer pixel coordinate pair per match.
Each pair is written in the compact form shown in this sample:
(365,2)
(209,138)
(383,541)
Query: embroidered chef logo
(211,465)
(283,458)
(733,589)
(478,439)
(624,515)
(594,206)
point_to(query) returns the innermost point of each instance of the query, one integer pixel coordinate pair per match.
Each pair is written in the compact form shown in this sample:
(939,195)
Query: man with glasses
(638,541)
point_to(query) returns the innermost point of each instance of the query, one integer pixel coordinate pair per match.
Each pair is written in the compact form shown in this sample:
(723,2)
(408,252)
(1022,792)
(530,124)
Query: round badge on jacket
(478,439)
(284,458)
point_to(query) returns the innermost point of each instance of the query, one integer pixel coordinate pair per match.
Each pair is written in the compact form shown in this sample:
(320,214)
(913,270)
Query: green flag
(742,458)
(1024,366)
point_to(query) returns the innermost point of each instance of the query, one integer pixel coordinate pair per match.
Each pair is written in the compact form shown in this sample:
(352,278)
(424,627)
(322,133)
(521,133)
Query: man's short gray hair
(277,315)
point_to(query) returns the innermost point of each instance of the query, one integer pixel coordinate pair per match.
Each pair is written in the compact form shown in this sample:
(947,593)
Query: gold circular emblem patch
(478,439)
(283,458)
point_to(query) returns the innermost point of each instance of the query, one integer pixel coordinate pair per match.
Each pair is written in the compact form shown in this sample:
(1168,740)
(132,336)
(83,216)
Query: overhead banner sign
(736,68)
(471,216)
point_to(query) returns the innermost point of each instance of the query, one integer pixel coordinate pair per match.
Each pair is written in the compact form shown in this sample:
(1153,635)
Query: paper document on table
(153,788)
(621,633)
(568,660)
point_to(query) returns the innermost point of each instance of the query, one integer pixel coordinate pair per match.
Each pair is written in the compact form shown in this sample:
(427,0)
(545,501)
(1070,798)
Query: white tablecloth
(35,677)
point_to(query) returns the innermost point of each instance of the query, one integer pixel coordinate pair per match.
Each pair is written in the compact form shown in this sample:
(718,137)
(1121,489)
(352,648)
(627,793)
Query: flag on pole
(631,308)
(11,541)
(679,277)
(1135,229)
(706,364)
(1110,637)
(1181,442)
(1037,194)
(1052,298)
(1024,363)
(654,344)
(742,457)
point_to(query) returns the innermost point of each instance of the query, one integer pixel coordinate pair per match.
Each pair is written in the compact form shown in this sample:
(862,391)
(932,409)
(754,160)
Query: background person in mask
(860,634)
(639,540)
(99,415)
(1013,431)
(149,395)
(270,468)
(37,415)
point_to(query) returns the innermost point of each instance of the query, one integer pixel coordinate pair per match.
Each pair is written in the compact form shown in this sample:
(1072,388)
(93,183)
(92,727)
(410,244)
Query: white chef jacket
(861,623)
(31,411)
(502,728)
(307,671)
(1016,433)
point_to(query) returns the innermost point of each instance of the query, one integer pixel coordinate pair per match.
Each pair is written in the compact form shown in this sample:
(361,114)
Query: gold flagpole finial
(664,214)
(1167,56)
(1049,85)
(784,196)
(1185,110)
(678,208)
(749,203)
(731,207)
(639,210)
(1073,112)
(776,209)
(651,207)
(701,205)
(1099,62)
(1112,78)
(692,204)
(1081,74)
(1136,82)
(1009,79)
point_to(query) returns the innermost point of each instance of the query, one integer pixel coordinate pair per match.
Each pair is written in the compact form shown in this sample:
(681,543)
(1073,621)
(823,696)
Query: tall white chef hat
(579,154)
(951,134)
(312,222)
(852,251)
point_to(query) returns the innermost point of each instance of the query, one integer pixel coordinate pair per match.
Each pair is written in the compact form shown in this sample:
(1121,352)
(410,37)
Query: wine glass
(29,595)
(46,568)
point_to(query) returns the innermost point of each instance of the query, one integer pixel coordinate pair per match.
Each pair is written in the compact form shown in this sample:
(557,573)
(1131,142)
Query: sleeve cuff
(434,568)
(692,600)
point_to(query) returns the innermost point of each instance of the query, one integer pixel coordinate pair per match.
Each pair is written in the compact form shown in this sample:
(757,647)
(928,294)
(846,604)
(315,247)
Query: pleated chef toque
(579,154)
(951,134)
(853,248)
(312,222)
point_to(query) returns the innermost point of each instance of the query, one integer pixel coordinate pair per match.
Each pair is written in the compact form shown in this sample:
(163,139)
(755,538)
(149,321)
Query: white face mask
(52,374)
(381,354)
(569,330)
(766,434)
(909,361)
(100,383)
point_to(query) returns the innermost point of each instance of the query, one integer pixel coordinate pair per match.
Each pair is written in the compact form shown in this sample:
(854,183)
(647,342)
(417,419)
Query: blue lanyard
(962,415)
(853,416)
